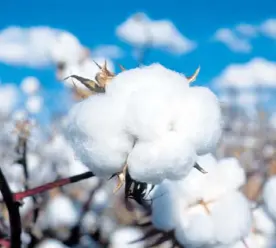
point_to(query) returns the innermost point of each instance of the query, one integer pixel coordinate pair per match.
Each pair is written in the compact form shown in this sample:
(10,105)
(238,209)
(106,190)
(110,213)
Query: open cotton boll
(228,221)
(60,212)
(263,223)
(163,214)
(30,85)
(269,196)
(232,218)
(168,157)
(34,104)
(94,129)
(201,119)
(194,228)
(51,243)
(122,238)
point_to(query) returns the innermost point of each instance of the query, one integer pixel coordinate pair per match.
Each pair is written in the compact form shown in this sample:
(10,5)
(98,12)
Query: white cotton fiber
(168,157)
(163,214)
(123,237)
(94,130)
(150,118)
(201,119)
(232,218)
(232,173)
(50,243)
(60,212)
(30,85)
(269,196)
(154,78)
(194,228)
(227,221)
(263,223)
(193,187)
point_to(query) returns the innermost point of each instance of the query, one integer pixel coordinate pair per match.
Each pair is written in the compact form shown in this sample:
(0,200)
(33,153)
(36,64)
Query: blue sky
(94,23)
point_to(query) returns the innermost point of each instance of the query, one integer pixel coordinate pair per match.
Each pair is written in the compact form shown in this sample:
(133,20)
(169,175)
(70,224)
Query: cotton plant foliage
(200,210)
(150,120)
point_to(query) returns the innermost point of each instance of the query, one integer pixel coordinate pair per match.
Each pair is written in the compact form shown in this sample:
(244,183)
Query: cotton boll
(269,196)
(30,85)
(194,227)
(34,104)
(89,222)
(94,128)
(166,158)
(122,238)
(163,214)
(28,205)
(201,119)
(50,243)
(232,173)
(232,218)
(263,222)
(60,212)
(100,200)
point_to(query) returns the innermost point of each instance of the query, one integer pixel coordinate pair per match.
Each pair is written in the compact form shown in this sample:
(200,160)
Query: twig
(13,210)
(61,182)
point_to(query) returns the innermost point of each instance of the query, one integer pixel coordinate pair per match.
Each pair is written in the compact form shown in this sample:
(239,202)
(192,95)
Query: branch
(13,210)
(61,182)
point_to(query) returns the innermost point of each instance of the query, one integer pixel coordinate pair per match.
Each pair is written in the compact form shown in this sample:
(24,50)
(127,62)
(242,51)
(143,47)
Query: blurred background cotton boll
(200,144)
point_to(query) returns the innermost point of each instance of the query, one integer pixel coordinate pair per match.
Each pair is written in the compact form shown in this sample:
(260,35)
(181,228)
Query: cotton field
(145,158)
(136,157)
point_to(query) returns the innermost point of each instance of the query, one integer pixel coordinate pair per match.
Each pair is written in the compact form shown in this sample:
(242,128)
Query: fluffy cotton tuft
(60,212)
(51,243)
(34,104)
(122,238)
(30,85)
(150,119)
(269,196)
(200,119)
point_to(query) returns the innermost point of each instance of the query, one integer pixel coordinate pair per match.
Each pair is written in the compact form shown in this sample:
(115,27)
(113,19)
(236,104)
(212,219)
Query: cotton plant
(204,210)
(262,234)
(122,237)
(147,121)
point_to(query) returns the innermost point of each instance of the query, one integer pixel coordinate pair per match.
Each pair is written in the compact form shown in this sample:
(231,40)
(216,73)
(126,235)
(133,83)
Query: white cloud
(257,72)
(108,51)
(233,41)
(268,28)
(36,46)
(247,30)
(139,30)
